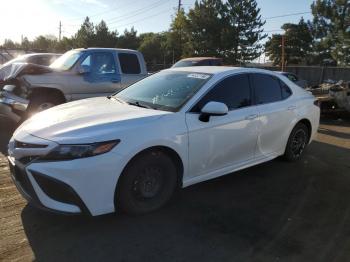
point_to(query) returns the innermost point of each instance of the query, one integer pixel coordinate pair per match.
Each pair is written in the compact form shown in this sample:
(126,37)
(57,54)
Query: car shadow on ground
(274,211)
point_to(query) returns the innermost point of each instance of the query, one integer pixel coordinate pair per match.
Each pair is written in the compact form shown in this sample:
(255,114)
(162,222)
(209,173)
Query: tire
(297,142)
(147,183)
(41,102)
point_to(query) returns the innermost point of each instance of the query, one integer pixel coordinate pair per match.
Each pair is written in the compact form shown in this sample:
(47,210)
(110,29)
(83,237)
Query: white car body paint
(242,138)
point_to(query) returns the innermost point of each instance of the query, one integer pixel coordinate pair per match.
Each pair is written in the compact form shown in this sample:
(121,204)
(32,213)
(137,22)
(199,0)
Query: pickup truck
(77,74)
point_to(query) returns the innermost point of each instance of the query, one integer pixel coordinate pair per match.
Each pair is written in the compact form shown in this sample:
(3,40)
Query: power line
(144,18)
(290,14)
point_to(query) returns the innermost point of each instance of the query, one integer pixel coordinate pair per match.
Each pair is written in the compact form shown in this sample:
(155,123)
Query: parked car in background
(294,78)
(78,74)
(198,61)
(178,127)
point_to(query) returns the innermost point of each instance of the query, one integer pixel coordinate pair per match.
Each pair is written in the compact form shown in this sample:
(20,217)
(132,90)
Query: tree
(244,31)
(129,39)
(25,44)
(204,27)
(153,48)
(8,43)
(44,43)
(85,35)
(177,39)
(103,37)
(331,29)
(298,44)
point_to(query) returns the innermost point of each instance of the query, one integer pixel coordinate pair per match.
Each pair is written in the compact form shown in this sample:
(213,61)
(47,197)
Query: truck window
(100,63)
(129,63)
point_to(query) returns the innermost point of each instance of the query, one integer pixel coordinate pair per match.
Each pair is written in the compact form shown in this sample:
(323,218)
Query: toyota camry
(131,151)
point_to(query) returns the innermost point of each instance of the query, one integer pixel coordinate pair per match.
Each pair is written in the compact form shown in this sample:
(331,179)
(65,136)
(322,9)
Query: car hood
(87,121)
(14,70)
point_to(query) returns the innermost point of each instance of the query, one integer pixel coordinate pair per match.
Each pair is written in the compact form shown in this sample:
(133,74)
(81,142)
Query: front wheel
(297,142)
(147,183)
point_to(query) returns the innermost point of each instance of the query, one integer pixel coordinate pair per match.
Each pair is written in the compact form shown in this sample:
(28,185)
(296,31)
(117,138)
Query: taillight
(317,103)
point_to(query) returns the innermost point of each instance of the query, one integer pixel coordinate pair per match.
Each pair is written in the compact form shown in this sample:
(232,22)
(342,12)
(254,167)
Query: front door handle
(115,80)
(292,107)
(251,117)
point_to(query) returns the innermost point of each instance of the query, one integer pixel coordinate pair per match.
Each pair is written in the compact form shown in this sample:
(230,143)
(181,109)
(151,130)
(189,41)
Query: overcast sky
(31,18)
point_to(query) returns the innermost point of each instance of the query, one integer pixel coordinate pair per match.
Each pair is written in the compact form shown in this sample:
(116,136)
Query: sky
(30,18)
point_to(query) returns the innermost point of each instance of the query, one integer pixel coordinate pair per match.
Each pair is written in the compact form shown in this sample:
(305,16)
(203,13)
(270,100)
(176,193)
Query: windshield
(66,61)
(185,63)
(166,90)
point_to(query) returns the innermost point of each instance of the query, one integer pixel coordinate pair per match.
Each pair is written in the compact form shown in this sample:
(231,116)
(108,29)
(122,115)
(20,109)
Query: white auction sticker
(199,76)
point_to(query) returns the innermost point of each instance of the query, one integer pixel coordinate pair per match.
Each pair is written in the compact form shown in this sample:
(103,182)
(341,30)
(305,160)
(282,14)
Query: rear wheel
(147,183)
(297,142)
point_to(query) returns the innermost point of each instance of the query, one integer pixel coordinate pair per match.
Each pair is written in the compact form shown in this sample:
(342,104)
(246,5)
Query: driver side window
(234,91)
(100,63)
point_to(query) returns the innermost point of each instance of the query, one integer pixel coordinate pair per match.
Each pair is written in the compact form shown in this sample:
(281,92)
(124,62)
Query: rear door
(130,68)
(276,111)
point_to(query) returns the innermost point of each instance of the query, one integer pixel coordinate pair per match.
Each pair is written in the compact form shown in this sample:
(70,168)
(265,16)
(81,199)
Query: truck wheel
(297,142)
(42,102)
(147,183)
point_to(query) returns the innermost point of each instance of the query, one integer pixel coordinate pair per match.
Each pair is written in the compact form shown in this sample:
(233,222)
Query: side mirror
(83,69)
(212,109)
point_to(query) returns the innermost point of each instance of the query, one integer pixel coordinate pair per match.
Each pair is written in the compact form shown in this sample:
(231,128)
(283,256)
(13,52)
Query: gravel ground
(276,211)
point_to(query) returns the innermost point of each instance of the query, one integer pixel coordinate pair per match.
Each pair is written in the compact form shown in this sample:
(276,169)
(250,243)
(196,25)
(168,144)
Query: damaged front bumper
(12,106)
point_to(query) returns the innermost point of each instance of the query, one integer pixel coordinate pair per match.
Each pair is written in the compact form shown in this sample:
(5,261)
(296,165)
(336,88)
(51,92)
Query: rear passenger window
(267,89)
(234,91)
(129,63)
(286,92)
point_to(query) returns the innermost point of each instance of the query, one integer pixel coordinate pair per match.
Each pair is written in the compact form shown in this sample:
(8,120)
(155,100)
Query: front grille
(19,144)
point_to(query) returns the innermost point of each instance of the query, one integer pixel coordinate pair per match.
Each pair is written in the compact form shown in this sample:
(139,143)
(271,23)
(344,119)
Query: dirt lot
(276,211)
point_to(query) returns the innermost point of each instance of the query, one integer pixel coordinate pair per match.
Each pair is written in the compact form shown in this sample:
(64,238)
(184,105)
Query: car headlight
(69,152)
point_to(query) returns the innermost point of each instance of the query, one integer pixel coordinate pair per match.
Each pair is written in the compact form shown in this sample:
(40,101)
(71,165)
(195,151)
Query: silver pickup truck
(78,74)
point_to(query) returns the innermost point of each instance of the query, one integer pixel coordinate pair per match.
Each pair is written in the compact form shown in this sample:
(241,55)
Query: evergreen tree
(103,37)
(205,25)
(298,44)
(244,31)
(85,35)
(129,39)
(331,28)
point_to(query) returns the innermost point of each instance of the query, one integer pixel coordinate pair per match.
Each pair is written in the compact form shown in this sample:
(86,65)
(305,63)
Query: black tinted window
(234,91)
(286,92)
(267,89)
(129,63)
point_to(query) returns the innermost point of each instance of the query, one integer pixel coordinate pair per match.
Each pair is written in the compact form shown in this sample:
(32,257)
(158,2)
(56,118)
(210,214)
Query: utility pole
(59,31)
(178,8)
(283,54)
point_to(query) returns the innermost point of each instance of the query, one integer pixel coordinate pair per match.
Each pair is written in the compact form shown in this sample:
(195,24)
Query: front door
(101,79)
(223,141)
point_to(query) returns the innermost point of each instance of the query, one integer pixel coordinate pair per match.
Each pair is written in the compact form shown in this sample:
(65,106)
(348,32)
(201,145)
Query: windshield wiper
(118,99)
(137,103)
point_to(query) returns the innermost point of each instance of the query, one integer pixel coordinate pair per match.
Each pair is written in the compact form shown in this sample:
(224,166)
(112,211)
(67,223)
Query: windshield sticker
(199,76)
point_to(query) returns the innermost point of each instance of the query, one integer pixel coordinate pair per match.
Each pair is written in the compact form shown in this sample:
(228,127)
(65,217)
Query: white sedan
(179,127)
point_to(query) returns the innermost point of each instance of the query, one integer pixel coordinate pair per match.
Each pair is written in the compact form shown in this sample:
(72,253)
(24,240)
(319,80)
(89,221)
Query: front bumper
(31,185)
(7,114)
(85,185)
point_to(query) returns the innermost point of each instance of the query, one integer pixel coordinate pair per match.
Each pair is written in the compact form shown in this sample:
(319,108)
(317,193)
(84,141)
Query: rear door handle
(292,107)
(251,117)
(115,80)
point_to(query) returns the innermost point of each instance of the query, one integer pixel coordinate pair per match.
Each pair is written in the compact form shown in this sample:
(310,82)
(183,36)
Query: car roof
(219,69)
(200,58)
(103,48)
